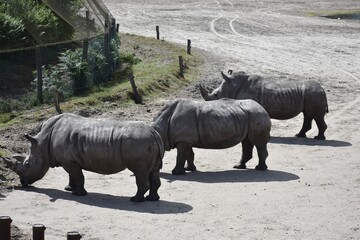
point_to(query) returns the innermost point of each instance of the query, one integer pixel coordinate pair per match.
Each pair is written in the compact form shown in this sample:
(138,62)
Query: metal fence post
(5,230)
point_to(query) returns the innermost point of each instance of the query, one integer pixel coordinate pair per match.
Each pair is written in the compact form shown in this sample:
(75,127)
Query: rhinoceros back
(221,124)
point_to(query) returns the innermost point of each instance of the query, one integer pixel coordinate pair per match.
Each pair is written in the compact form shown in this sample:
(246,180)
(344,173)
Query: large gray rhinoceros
(104,146)
(282,100)
(184,124)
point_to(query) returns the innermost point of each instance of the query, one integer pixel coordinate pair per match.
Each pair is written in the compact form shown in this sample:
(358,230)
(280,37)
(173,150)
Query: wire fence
(67,46)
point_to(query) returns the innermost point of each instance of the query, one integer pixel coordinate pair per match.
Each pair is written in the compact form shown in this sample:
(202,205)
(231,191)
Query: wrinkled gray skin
(102,146)
(184,124)
(282,100)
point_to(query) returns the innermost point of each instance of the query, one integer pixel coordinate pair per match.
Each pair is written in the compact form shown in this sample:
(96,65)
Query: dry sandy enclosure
(312,188)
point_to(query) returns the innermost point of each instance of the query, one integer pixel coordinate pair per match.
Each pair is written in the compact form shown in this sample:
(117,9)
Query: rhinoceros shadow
(113,202)
(309,142)
(235,175)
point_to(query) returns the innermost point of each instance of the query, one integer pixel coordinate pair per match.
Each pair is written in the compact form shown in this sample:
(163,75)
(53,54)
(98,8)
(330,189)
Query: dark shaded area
(309,142)
(113,202)
(246,175)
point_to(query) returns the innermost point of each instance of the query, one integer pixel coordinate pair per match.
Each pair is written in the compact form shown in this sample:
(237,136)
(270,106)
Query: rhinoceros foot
(261,167)
(178,171)
(137,199)
(79,192)
(152,197)
(240,166)
(320,137)
(190,167)
(69,188)
(301,135)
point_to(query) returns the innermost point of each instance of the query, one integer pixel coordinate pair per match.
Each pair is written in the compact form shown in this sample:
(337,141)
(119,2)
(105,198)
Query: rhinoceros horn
(226,78)
(14,162)
(204,93)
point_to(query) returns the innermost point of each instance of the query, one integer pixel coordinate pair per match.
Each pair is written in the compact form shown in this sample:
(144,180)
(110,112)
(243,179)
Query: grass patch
(355,14)
(154,64)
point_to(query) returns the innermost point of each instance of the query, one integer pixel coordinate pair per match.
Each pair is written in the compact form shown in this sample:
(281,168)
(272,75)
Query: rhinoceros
(282,100)
(185,123)
(104,146)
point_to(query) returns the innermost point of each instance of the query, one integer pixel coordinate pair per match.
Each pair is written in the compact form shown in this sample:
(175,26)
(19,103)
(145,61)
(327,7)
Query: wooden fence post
(188,46)
(181,66)
(38,232)
(39,74)
(5,230)
(157,33)
(137,97)
(73,236)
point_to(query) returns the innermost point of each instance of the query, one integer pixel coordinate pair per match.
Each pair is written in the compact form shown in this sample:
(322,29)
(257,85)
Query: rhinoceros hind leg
(247,149)
(190,166)
(155,183)
(322,127)
(142,182)
(305,127)
(263,154)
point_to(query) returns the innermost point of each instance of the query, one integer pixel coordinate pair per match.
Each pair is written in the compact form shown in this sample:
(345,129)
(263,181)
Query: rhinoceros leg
(306,126)
(247,150)
(71,186)
(76,178)
(142,182)
(190,166)
(184,150)
(320,122)
(263,154)
(154,179)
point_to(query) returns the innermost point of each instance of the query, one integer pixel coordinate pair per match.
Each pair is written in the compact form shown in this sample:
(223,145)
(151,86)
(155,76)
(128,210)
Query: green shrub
(12,32)
(72,63)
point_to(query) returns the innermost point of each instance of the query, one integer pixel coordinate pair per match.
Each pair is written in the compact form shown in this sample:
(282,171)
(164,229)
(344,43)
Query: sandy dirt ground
(312,188)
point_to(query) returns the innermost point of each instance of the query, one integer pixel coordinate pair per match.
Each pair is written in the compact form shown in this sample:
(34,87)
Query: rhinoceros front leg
(305,127)
(184,152)
(247,149)
(77,179)
(71,186)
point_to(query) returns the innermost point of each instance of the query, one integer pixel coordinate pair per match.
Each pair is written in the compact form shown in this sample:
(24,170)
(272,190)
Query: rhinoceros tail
(161,149)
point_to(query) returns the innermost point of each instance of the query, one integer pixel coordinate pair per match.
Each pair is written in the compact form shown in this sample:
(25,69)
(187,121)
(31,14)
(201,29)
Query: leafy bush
(72,63)
(12,32)
(38,22)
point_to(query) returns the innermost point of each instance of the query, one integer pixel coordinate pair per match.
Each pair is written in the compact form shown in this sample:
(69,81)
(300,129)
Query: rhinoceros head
(32,167)
(227,89)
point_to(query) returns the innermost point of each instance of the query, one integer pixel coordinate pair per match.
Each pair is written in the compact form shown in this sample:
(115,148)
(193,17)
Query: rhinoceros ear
(230,71)
(30,138)
(226,78)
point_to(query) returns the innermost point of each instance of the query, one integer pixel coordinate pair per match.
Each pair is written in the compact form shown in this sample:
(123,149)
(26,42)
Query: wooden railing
(38,230)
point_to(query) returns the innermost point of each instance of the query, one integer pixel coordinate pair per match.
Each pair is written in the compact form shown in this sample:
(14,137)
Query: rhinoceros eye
(27,163)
